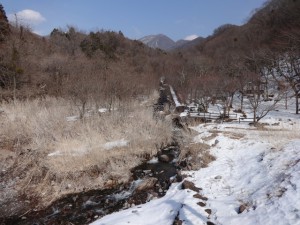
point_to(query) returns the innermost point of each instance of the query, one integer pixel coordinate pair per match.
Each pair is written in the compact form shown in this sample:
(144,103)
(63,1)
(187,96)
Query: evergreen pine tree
(4,26)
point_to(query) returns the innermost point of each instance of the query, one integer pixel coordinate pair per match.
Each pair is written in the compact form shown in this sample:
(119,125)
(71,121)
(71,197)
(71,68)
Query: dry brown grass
(38,128)
(233,135)
(213,135)
(197,155)
(280,135)
(277,136)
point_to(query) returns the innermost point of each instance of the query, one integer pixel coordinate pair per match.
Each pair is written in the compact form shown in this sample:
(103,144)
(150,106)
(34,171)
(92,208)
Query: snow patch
(56,153)
(175,99)
(191,37)
(72,118)
(184,114)
(115,144)
(153,160)
(102,110)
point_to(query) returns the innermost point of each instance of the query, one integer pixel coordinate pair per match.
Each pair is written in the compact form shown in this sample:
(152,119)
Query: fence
(212,116)
(244,119)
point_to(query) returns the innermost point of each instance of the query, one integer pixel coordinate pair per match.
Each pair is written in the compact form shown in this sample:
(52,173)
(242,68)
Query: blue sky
(135,18)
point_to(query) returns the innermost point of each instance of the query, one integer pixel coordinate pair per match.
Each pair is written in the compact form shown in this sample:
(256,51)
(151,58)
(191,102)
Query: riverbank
(49,152)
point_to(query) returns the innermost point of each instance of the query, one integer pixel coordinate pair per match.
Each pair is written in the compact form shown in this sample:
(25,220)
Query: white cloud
(27,17)
(191,37)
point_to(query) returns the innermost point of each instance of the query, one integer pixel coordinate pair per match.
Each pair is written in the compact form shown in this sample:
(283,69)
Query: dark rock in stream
(147,184)
(165,158)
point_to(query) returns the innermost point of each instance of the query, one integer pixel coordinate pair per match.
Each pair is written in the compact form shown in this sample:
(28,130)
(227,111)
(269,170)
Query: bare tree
(258,105)
(201,91)
(286,69)
(57,68)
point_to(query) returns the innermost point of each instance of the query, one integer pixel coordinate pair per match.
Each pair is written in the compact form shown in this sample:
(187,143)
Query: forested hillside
(235,55)
(57,64)
(230,52)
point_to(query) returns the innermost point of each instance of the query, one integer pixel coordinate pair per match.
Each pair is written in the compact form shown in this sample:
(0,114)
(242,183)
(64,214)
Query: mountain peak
(163,42)
(158,41)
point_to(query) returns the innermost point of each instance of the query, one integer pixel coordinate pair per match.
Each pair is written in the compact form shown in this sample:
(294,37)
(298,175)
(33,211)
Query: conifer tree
(4,26)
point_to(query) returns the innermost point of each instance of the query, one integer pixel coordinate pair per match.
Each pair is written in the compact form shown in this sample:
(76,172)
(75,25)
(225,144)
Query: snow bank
(159,211)
(247,172)
(250,170)
(252,173)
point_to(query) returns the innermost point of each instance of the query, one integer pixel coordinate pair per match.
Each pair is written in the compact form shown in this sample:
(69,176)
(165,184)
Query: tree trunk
(14,88)
(82,111)
(242,102)
(231,100)
(224,111)
(297,102)
(286,100)
(228,111)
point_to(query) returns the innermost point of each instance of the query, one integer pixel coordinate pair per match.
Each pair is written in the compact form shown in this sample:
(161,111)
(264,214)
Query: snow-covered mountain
(158,41)
(165,43)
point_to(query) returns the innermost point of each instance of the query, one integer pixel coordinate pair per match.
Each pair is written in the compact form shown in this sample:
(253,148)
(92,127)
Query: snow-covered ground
(254,180)
(174,96)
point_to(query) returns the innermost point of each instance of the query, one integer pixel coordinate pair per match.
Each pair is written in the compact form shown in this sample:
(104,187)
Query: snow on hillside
(148,38)
(254,180)
(174,96)
(251,172)
(158,41)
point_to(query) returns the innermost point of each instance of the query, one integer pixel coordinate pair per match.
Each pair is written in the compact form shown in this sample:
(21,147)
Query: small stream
(86,207)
